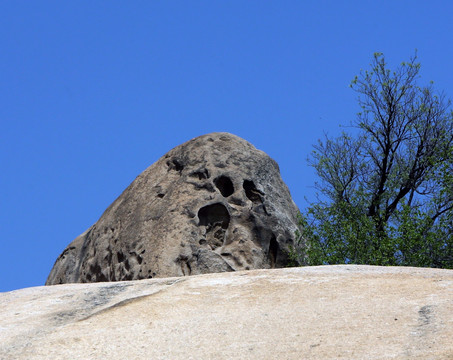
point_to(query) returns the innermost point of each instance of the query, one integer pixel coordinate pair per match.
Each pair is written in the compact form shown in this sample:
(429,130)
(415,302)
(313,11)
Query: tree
(386,189)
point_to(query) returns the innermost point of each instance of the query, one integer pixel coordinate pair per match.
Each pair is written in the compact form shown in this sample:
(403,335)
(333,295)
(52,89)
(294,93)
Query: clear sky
(93,92)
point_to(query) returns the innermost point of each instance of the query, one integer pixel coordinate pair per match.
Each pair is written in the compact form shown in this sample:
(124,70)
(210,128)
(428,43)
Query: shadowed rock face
(212,204)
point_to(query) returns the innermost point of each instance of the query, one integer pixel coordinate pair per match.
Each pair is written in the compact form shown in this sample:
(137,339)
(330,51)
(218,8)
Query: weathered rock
(327,312)
(212,204)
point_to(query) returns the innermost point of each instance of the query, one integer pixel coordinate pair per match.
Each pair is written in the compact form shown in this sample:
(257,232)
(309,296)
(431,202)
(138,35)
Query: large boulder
(212,204)
(326,312)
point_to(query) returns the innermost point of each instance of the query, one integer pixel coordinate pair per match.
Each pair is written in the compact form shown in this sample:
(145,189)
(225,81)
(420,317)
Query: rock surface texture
(327,312)
(212,204)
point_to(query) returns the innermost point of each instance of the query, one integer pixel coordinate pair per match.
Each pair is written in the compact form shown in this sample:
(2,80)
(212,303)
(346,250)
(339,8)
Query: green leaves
(422,241)
(387,189)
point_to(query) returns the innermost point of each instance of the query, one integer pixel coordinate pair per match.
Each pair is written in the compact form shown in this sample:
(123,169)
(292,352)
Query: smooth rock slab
(327,312)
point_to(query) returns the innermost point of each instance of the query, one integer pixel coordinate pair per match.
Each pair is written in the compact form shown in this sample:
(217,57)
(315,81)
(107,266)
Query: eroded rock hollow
(212,204)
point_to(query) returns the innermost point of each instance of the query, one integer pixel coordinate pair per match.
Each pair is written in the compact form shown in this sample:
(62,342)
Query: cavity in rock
(252,192)
(273,250)
(201,174)
(214,213)
(175,164)
(216,219)
(225,185)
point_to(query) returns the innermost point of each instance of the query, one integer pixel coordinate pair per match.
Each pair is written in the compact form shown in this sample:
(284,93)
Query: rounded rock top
(213,204)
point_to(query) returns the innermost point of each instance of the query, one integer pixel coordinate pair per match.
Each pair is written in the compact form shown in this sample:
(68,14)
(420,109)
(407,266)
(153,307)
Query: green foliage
(385,191)
(422,243)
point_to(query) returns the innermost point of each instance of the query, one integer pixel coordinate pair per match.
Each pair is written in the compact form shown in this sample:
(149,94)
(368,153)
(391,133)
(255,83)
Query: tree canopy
(385,189)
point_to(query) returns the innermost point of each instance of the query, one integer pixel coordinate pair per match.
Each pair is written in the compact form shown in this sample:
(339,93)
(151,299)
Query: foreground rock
(331,312)
(213,204)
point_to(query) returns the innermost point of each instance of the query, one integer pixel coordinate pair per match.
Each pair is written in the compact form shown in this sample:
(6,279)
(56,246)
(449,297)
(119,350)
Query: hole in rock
(210,215)
(273,249)
(96,273)
(201,174)
(251,191)
(225,185)
(175,164)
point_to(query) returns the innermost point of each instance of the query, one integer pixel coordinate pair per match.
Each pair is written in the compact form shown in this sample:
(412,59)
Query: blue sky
(93,92)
